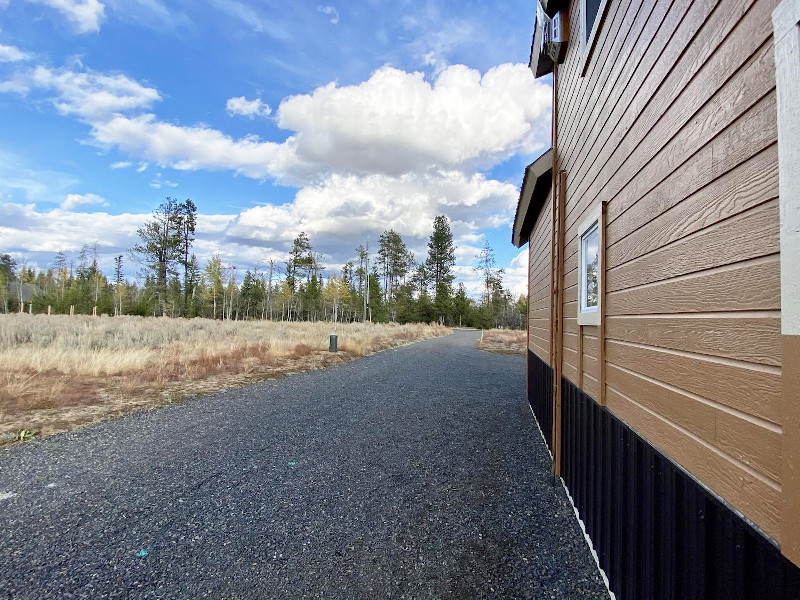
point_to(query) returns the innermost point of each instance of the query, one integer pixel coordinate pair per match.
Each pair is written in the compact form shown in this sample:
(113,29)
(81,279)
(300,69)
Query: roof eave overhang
(540,62)
(536,185)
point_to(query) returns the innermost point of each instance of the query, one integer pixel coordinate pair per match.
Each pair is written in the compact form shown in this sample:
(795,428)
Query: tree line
(387,284)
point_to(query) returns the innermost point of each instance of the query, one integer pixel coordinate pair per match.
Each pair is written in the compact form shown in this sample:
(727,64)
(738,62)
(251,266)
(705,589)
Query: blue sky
(274,117)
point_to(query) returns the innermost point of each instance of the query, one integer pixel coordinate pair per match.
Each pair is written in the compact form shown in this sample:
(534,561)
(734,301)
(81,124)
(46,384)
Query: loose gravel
(413,473)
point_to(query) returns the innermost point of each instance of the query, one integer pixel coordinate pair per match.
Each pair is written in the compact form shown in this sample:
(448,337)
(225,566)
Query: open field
(504,341)
(61,372)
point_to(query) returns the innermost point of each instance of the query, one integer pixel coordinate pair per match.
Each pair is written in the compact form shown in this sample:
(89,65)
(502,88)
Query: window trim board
(594,217)
(587,47)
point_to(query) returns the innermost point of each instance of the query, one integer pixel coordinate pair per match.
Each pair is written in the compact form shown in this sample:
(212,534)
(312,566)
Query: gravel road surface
(413,473)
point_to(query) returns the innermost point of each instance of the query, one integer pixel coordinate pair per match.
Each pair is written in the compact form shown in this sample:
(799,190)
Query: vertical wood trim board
(558,321)
(601,330)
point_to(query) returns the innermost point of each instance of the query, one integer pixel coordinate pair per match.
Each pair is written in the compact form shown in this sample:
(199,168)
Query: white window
(589,270)
(590,10)
(593,13)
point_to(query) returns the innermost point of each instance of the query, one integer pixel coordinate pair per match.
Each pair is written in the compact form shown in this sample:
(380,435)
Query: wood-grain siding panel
(591,386)
(540,278)
(750,443)
(746,388)
(753,285)
(570,357)
(696,120)
(620,28)
(749,339)
(743,489)
(542,303)
(685,111)
(591,367)
(753,444)
(539,254)
(539,351)
(741,189)
(542,334)
(644,42)
(590,345)
(637,60)
(678,408)
(540,313)
(570,371)
(748,137)
(674,126)
(543,324)
(748,235)
(541,281)
(748,92)
(570,324)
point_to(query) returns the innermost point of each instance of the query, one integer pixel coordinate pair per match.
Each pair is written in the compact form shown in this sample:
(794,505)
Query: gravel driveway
(413,473)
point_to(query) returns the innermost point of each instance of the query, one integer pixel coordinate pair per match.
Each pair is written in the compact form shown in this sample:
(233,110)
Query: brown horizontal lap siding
(674,126)
(539,292)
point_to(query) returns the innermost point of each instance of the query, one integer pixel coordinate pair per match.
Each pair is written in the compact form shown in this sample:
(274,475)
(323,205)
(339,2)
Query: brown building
(663,229)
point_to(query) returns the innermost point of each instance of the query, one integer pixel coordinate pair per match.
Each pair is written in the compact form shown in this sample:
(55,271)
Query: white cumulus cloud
(186,148)
(86,15)
(397,122)
(391,152)
(247,108)
(87,95)
(11,54)
(343,208)
(73,201)
(392,124)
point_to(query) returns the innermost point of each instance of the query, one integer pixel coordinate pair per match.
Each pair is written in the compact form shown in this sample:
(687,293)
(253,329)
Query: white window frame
(590,316)
(588,38)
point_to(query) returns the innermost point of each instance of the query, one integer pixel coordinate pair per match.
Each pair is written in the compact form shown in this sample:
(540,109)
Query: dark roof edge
(536,185)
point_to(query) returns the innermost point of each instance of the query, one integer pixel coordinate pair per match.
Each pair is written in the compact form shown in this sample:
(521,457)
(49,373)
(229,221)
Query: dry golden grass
(60,372)
(504,341)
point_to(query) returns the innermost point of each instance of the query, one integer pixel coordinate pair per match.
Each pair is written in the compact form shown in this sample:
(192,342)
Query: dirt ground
(48,403)
(504,341)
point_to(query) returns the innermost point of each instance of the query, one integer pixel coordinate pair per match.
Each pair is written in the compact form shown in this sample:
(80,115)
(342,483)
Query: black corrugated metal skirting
(658,533)
(540,395)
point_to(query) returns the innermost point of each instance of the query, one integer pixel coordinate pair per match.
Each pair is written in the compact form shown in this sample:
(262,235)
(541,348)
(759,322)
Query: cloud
(247,108)
(186,148)
(391,152)
(331,12)
(37,235)
(397,122)
(392,124)
(29,230)
(153,14)
(11,54)
(73,201)
(158,183)
(86,15)
(86,95)
(20,180)
(341,209)
(123,164)
(252,19)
